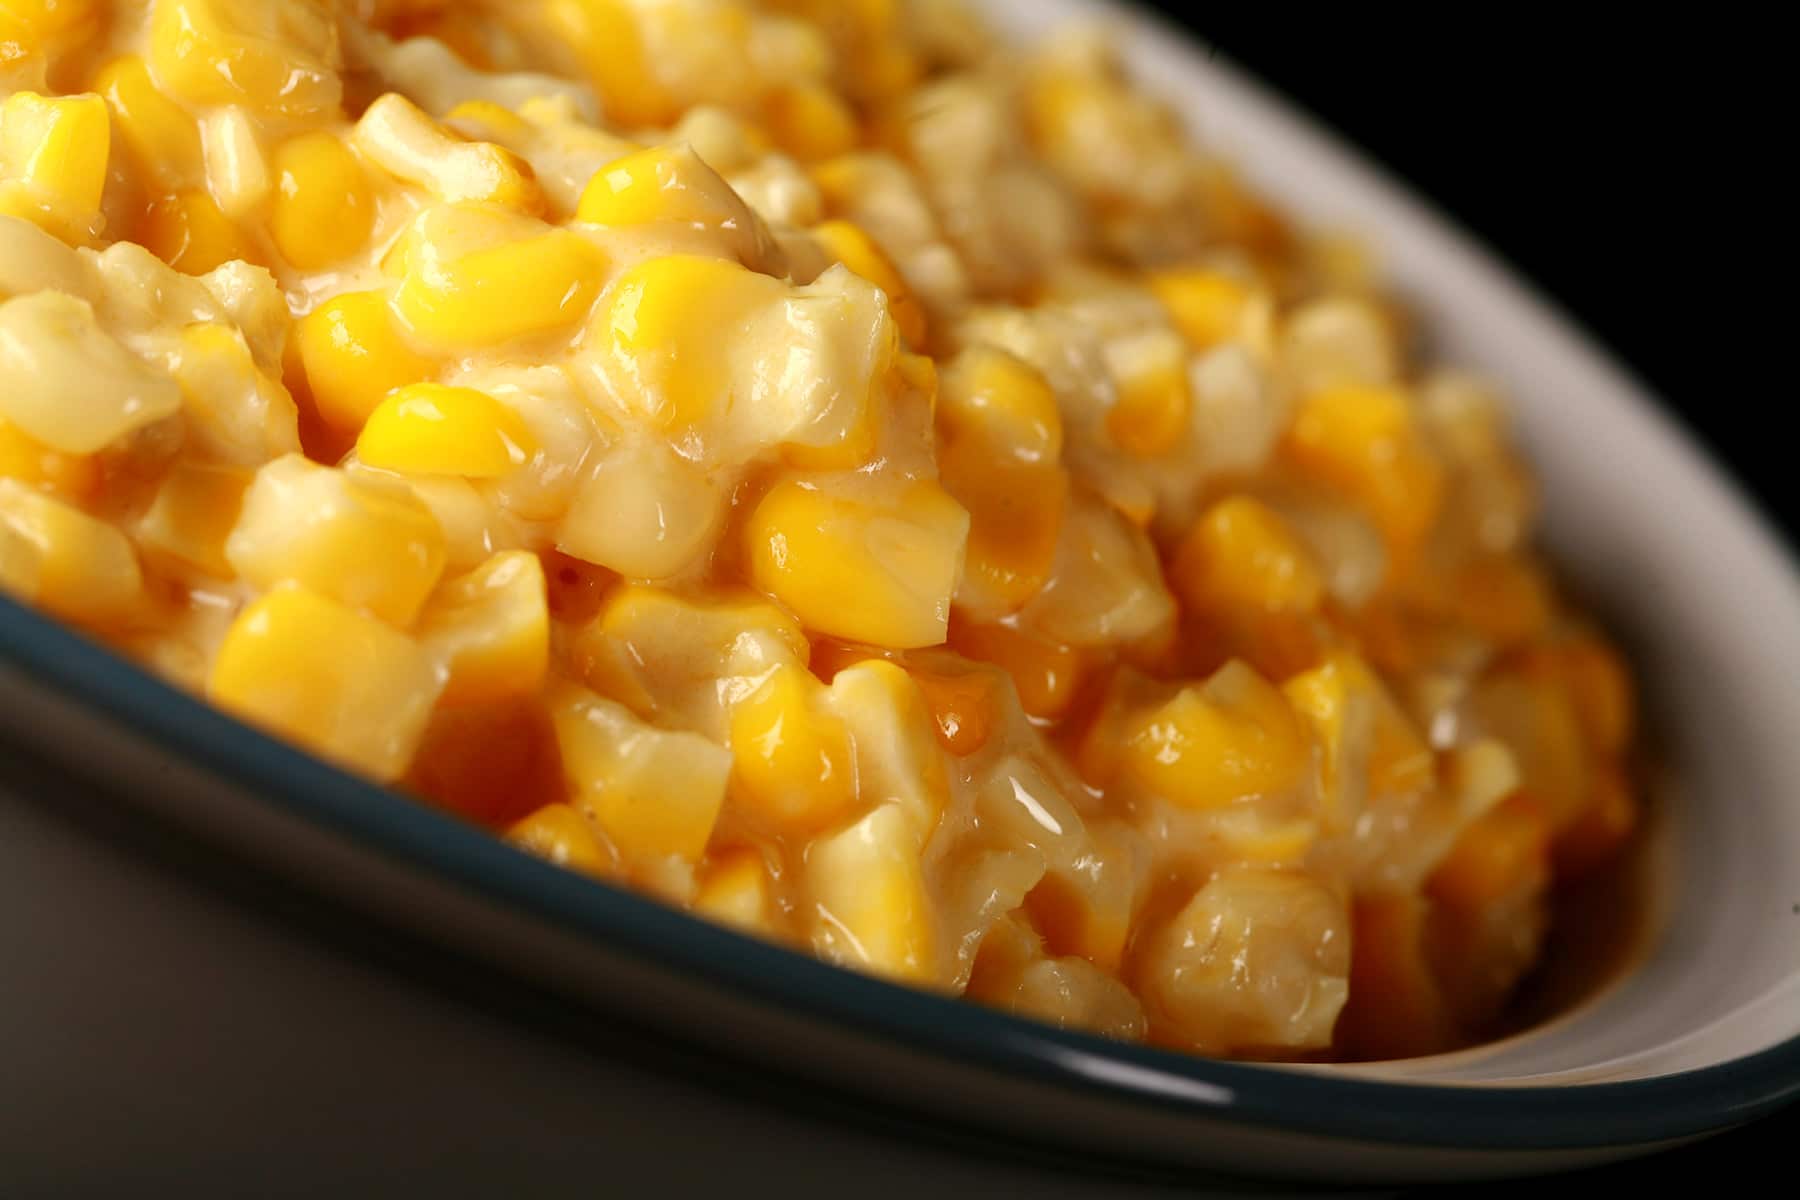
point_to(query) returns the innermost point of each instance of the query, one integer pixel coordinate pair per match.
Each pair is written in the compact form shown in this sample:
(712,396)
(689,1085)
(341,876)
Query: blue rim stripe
(1530,1118)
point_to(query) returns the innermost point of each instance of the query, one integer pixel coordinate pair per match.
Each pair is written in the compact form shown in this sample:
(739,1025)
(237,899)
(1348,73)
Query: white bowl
(1704,1034)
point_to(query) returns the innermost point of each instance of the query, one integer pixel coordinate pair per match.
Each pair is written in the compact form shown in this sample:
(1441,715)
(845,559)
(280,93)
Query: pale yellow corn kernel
(24,458)
(871,907)
(1365,442)
(879,570)
(432,429)
(1369,746)
(194,512)
(333,680)
(670,184)
(34,261)
(1208,307)
(1152,414)
(353,354)
(655,793)
(409,145)
(562,834)
(68,384)
(324,207)
(77,568)
(1106,586)
(373,547)
(188,231)
(30,24)
(988,394)
(491,629)
(645,512)
(1339,341)
(792,765)
(479,277)
(606,40)
(19,565)
(278,60)
(159,132)
(810,122)
(53,156)
(1230,739)
(898,758)
(1241,554)
(849,244)
(236,413)
(470,117)
(735,890)
(237,168)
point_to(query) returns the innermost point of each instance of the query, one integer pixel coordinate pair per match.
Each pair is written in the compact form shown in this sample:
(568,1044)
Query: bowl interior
(1649,532)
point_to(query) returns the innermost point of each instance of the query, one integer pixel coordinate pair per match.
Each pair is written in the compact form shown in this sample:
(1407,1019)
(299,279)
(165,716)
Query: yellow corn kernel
(279,60)
(535,280)
(345,537)
(1151,415)
(487,116)
(1044,673)
(31,23)
(491,628)
(1502,598)
(1208,307)
(791,757)
(1086,907)
(334,680)
(237,166)
(1363,441)
(69,384)
(53,153)
(236,413)
(734,891)
(560,834)
(989,395)
(606,40)
(324,207)
(868,892)
(810,123)
(880,570)
(352,355)
(1502,854)
(403,141)
(663,183)
(849,244)
(160,133)
(1229,739)
(655,793)
(897,754)
(432,429)
(1534,714)
(188,231)
(194,512)
(23,457)
(77,568)
(645,512)
(1240,554)
(1015,523)
(1360,729)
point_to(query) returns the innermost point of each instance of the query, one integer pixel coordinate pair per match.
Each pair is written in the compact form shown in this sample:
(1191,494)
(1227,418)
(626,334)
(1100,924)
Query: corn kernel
(645,512)
(536,281)
(1231,738)
(1361,731)
(352,355)
(810,123)
(347,538)
(991,396)
(188,231)
(868,891)
(964,707)
(1086,906)
(159,132)
(235,412)
(324,207)
(898,760)
(491,628)
(193,513)
(237,168)
(1045,673)
(53,154)
(334,680)
(277,59)
(735,891)
(1499,856)
(431,429)
(23,457)
(1208,307)
(402,140)
(31,23)
(655,793)
(671,184)
(1106,586)
(1535,715)
(849,244)
(606,40)
(1015,524)
(1240,554)
(792,757)
(1363,441)
(561,834)
(1151,415)
(69,385)
(880,570)
(72,565)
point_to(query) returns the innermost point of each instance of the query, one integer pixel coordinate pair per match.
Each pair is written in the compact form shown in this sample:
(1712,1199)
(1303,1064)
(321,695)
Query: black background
(1628,170)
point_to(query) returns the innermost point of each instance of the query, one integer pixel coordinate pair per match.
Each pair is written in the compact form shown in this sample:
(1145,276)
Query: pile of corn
(874,487)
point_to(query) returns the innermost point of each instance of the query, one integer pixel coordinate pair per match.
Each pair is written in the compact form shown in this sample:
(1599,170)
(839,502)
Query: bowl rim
(1264,1096)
